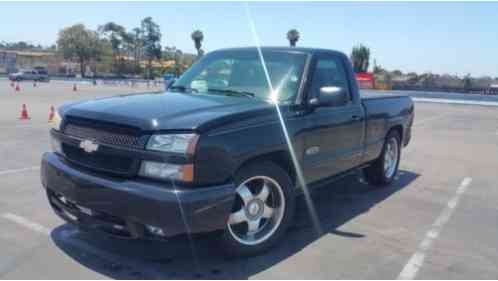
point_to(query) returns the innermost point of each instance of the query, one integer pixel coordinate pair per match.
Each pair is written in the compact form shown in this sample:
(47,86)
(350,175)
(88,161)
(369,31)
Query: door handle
(356,117)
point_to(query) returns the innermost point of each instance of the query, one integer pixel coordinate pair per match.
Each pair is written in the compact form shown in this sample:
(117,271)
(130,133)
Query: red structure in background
(365,80)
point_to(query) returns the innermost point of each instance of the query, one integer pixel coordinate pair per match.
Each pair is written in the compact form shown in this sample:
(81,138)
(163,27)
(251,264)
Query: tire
(237,239)
(376,174)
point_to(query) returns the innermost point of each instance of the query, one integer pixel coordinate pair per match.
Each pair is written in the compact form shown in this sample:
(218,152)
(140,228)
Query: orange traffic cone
(18,88)
(24,113)
(51,114)
(74,87)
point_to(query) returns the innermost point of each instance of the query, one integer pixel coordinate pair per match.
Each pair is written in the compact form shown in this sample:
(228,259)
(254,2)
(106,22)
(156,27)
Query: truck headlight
(177,143)
(165,171)
(56,121)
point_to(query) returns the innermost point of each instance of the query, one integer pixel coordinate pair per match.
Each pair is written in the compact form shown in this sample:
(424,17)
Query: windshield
(240,73)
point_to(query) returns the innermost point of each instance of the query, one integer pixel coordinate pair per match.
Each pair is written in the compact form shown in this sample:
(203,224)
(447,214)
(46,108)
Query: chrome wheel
(258,212)
(391,157)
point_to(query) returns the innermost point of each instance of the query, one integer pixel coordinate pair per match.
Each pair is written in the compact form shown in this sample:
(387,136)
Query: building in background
(7,61)
(13,61)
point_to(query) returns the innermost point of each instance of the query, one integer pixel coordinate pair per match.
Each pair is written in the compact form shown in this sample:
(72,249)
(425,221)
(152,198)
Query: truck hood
(167,111)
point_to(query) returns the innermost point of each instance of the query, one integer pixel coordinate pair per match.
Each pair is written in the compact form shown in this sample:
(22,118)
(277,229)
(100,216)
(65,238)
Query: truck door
(333,142)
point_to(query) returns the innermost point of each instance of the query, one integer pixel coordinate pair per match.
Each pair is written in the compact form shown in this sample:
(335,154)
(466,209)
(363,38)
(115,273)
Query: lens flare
(274,97)
(188,230)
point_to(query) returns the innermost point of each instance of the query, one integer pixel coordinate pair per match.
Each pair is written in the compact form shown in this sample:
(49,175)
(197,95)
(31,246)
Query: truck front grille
(104,136)
(117,137)
(116,164)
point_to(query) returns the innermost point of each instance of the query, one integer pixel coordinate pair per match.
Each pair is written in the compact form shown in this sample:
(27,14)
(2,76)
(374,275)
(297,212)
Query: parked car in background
(30,75)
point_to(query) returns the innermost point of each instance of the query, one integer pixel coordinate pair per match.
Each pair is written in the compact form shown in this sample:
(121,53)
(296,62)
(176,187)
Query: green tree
(151,42)
(360,58)
(197,36)
(467,82)
(428,80)
(137,46)
(378,69)
(116,34)
(293,36)
(80,44)
(178,62)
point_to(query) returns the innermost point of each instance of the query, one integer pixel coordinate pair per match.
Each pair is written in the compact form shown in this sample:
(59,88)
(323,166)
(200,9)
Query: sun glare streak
(274,97)
(188,230)
(275,94)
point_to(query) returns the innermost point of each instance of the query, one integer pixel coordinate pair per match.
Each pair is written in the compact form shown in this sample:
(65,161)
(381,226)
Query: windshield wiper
(183,89)
(230,92)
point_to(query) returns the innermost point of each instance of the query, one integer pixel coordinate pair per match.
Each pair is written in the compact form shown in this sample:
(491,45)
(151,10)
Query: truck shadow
(200,257)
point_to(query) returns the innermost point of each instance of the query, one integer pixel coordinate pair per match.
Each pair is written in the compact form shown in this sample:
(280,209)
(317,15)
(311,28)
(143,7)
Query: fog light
(154,230)
(166,171)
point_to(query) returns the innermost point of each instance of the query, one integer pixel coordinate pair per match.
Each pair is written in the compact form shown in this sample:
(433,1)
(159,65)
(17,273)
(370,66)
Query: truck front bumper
(133,208)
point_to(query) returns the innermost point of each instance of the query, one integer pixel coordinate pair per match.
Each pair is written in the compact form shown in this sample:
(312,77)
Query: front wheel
(384,169)
(263,209)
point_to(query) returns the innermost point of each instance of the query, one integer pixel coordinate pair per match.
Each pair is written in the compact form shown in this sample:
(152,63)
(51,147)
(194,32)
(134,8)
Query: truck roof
(284,49)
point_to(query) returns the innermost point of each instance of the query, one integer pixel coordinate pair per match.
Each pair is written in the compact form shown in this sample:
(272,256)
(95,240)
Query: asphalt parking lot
(439,220)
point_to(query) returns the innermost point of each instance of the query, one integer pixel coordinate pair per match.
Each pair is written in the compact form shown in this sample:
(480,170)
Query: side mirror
(330,96)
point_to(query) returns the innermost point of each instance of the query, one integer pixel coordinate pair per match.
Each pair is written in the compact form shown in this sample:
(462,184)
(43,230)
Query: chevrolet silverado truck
(215,152)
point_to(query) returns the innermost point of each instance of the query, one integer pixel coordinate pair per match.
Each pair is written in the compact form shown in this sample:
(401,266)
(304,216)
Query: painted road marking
(21,170)
(26,223)
(21,125)
(417,260)
(39,125)
(109,258)
(467,102)
(423,121)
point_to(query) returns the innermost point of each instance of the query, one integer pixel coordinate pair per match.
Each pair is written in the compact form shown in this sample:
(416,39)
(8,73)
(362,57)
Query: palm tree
(360,58)
(197,36)
(115,34)
(137,46)
(293,37)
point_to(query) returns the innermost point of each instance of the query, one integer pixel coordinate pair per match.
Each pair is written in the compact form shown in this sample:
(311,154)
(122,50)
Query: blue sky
(455,38)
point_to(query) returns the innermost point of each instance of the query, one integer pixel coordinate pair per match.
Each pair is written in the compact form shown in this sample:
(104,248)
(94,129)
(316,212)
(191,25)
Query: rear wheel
(384,169)
(263,209)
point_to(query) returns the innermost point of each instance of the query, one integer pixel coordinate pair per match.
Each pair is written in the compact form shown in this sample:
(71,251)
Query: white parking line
(25,124)
(13,171)
(417,260)
(26,223)
(449,101)
(66,235)
(423,121)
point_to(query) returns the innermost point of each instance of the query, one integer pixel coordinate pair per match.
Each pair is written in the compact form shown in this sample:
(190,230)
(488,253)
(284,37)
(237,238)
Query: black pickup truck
(219,150)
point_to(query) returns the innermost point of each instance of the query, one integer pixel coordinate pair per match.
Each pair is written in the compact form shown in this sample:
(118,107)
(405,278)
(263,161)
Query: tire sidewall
(392,134)
(233,247)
